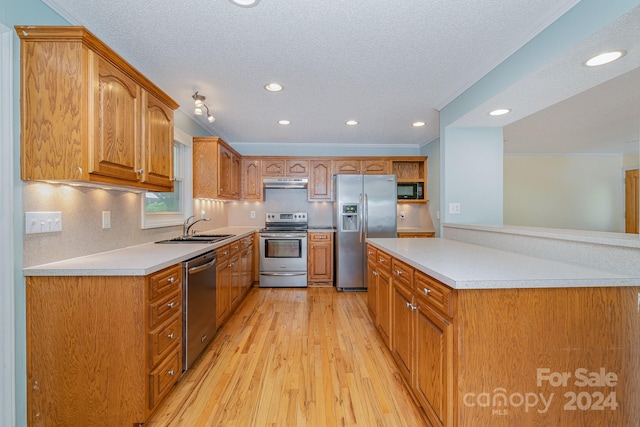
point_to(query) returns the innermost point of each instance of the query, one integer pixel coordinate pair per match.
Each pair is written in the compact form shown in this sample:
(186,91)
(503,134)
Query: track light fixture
(200,107)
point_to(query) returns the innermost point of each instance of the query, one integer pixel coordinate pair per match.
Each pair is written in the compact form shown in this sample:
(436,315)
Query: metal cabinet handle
(171,279)
(171,372)
(170,336)
(140,171)
(426,291)
(171,304)
(399,272)
(375,273)
(411,306)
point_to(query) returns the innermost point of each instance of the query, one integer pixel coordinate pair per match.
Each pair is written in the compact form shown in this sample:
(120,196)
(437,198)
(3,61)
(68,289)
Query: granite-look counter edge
(139,260)
(470,266)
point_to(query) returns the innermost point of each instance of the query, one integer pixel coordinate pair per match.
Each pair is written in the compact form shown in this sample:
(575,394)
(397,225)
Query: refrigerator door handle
(360,217)
(365,214)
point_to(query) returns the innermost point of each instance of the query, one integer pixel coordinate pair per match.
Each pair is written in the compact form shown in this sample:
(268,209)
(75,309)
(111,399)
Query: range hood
(285,182)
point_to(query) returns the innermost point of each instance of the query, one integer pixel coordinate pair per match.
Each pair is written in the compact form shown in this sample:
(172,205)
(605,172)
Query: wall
(590,197)
(579,22)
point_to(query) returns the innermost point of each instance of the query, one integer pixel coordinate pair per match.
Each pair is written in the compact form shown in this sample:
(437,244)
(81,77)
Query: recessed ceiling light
(418,124)
(605,58)
(351,122)
(245,3)
(273,87)
(284,122)
(500,112)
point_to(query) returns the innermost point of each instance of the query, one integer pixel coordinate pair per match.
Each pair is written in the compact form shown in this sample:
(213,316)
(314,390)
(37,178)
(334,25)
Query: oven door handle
(283,235)
(283,274)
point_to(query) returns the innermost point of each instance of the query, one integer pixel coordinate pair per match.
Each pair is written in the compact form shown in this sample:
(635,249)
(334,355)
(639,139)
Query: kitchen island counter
(469,266)
(138,260)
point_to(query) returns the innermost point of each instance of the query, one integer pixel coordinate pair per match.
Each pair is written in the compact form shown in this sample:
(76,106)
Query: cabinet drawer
(383,260)
(223,253)
(164,308)
(434,294)
(402,273)
(164,282)
(320,237)
(234,247)
(164,377)
(371,254)
(162,339)
(246,242)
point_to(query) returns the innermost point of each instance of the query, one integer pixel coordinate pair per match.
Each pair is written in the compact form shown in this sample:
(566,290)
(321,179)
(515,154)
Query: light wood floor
(293,357)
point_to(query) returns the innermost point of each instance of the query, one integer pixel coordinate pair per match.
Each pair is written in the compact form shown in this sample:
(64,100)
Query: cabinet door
(273,167)
(251,180)
(320,182)
(377,166)
(205,173)
(383,316)
(372,290)
(223,284)
(235,267)
(434,365)
(346,166)
(158,143)
(297,168)
(401,334)
(225,172)
(116,143)
(321,261)
(236,168)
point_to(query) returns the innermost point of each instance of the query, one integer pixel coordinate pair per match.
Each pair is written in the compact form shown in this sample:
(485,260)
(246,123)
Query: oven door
(283,259)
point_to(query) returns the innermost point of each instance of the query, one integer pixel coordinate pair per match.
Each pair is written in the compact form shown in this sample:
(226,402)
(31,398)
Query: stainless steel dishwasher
(199,306)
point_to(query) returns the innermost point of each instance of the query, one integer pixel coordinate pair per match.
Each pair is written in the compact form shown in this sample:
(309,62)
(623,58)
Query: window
(169,209)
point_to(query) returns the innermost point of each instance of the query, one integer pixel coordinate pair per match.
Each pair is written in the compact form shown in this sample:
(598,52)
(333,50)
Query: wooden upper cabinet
(87,115)
(216,169)
(320,180)
(344,166)
(285,167)
(370,166)
(273,167)
(251,179)
(157,168)
(117,109)
(228,172)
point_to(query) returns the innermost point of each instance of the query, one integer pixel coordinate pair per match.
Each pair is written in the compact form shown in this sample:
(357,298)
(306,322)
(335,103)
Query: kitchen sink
(199,238)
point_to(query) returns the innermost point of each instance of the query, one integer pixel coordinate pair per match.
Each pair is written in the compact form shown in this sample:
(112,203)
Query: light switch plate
(106,219)
(454,208)
(42,222)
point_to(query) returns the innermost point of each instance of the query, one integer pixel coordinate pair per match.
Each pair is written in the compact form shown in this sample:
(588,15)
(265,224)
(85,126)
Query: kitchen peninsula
(485,336)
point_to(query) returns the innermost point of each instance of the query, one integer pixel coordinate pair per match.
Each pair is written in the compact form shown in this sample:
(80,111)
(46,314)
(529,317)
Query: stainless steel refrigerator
(364,206)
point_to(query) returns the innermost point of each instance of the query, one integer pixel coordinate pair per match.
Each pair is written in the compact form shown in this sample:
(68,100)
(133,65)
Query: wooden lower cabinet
(433,364)
(473,356)
(379,286)
(102,350)
(320,257)
(234,276)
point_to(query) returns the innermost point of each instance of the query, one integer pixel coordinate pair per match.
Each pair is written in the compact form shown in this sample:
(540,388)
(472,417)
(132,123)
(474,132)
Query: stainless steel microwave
(410,191)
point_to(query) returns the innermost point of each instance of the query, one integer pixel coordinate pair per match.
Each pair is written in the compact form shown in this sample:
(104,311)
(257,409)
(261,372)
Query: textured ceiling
(383,63)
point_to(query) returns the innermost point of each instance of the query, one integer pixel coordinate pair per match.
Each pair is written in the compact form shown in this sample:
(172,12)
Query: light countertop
(139,260)
(468,266)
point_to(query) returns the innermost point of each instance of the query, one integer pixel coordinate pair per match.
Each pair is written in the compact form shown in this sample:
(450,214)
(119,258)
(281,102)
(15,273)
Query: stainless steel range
(283,250)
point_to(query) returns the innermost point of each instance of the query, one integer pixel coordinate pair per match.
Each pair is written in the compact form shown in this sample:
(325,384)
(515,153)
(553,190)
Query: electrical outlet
(402,214)
(42,222)
(253,214)
(454,208)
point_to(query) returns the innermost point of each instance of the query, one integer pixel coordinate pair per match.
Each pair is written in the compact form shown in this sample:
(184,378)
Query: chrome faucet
(186,227)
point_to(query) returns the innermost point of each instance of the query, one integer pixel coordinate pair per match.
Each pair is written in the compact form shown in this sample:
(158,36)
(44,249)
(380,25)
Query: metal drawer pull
(171,372)
(171,279)
(426,291)
(170,336)
(411,306)
(398,272)
(171,304)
